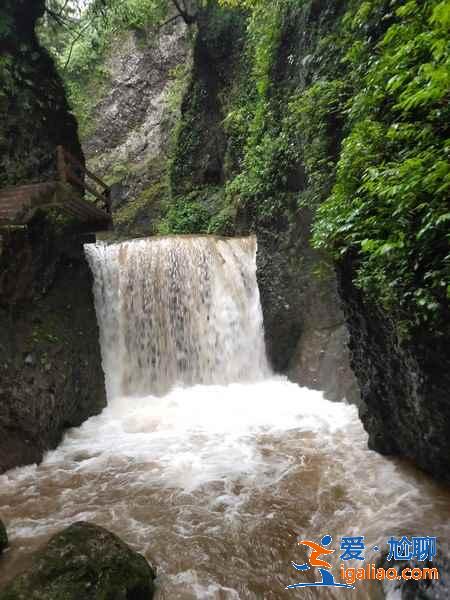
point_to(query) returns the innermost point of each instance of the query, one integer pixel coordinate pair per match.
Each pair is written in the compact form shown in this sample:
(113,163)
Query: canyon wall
(34,113)
(131,121)
(404,382)
(50,367)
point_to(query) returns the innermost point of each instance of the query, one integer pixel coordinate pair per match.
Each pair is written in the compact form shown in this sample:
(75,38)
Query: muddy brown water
(215,485)
(204,461)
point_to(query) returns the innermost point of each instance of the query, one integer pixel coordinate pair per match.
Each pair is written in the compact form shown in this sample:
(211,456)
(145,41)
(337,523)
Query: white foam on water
(216,468)
(222,468)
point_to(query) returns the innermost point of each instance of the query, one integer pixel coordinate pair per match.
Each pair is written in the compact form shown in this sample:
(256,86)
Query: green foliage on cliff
(185,215)
(282,120)
(390,200)
(340,107)
(363,122)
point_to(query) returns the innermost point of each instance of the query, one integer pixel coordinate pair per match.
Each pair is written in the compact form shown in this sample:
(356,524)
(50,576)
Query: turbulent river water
(203,460)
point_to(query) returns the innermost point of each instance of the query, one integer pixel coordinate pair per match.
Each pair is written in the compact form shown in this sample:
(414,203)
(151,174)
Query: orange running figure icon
(317,550)
(323,566)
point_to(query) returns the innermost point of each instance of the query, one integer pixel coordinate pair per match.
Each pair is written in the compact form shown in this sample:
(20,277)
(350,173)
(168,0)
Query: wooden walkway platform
(19,204)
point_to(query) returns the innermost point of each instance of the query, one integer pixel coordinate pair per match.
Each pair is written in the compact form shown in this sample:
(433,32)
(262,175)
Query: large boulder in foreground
(3,537)
(85,562)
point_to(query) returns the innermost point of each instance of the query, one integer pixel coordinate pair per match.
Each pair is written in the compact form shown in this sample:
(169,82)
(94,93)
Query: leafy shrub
(390,200)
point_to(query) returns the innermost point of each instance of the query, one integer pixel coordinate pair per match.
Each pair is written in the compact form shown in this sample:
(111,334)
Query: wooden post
(61,164)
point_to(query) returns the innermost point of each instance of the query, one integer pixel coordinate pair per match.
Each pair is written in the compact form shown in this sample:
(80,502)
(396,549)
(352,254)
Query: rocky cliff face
(404,382)
(50,367)
(305,329)
(51,376)
(132,120)
(34,114)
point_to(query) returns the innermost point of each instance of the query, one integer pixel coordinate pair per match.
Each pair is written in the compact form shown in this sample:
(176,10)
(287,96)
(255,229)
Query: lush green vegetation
(370,128)
(341,107)
(391,198)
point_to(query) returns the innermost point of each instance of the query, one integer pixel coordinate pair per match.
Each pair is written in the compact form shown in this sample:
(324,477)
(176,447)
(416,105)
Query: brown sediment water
(203,460)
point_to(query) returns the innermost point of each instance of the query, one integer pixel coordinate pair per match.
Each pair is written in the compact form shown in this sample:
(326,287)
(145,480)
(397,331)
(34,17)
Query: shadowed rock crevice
(3,537)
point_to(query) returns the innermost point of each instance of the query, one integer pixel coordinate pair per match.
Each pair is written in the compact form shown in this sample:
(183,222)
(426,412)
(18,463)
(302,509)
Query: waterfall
(177,310)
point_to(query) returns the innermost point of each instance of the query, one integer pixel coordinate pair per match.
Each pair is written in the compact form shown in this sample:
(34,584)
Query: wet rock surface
(322,361)
(34,113)
(51,376)
(305,330)
(404,383)
(3,537)
(84,561)
(423,589)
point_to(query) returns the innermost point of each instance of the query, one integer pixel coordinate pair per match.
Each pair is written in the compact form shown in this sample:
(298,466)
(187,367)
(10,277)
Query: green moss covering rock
(3,537)
(34,113)
(84,561)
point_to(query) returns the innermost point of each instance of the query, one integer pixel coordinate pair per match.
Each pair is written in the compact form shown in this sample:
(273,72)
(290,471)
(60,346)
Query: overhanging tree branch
(174,18)
(74,41)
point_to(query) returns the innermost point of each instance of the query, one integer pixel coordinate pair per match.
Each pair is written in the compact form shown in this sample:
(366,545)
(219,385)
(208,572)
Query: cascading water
(203,460)
(180,310)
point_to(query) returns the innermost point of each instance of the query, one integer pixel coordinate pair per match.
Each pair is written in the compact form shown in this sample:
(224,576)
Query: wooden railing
(66,164)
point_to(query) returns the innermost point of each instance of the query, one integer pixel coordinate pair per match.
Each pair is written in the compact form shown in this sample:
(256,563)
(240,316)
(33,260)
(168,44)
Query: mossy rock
(84,561)
(3,537)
